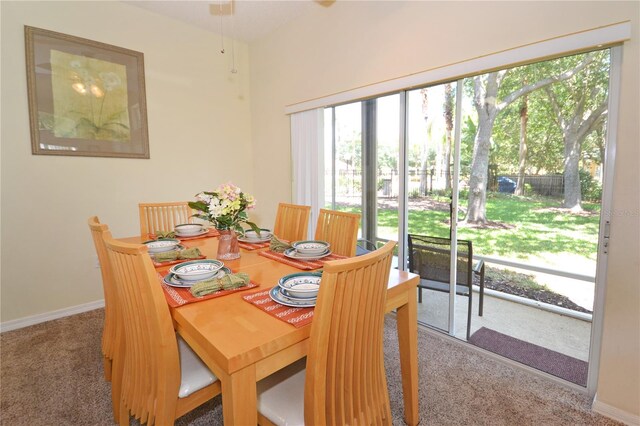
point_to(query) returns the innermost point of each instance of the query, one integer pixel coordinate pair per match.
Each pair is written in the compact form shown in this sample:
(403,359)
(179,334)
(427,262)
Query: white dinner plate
(255,240)
(293,254)
(301,299)
(278,297)
(311,247)
(160,245)
(172,280)
(197,234)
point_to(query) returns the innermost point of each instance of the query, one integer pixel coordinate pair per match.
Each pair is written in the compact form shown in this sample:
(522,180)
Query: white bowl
(161,245)
(265,235)
(187,229)
(311,247)
(197,270)
(303,285)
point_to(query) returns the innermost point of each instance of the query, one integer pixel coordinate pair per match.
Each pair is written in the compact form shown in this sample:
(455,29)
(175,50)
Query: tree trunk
(476,212)
(575,129)
(485,105)
(572,189)
(522,153)
(424,161)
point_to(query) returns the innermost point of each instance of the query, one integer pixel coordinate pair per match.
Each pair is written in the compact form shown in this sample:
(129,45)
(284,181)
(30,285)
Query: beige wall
(196,105)
(351,44)
(199,136)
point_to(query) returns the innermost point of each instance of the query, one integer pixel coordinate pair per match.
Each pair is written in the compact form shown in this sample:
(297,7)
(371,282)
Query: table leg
(239,400)
(407,323)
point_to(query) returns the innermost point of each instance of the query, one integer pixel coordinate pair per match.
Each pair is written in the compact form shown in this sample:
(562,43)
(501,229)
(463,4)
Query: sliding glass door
(362,142)
(430,132)
(510,160)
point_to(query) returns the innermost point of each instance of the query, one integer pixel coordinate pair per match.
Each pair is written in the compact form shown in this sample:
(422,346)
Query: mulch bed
(546,296)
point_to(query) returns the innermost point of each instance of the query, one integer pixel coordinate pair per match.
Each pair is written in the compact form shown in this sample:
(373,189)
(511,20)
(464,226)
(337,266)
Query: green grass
(530,230)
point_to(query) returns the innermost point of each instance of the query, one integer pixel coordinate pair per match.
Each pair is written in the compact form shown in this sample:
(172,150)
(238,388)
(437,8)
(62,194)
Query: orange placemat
(305,265)
(212,233)
(253,246)
(177,296)
(298,317)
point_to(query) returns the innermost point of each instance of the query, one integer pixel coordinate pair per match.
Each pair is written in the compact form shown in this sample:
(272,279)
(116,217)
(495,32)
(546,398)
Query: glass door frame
(403,198)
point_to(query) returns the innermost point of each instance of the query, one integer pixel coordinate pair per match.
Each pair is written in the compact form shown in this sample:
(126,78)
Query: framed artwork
(86,98)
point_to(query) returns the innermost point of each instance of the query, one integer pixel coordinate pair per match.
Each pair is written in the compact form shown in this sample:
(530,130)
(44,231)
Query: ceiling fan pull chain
(221,31)
(234,70)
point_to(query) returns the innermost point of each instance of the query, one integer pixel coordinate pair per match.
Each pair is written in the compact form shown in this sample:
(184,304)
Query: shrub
(528,189)
(415,193)
(591,188)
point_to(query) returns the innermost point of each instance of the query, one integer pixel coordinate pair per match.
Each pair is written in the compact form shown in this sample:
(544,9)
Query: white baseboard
(615,413)
(48,316)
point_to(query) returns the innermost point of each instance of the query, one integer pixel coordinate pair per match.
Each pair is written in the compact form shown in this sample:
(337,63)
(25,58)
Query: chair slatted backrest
(430,257)
(163,216)
(345,378)
(292,222)
(150,371)
(340,229)
(98,232)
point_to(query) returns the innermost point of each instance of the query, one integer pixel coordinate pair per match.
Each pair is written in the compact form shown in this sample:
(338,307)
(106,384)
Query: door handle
(606,236)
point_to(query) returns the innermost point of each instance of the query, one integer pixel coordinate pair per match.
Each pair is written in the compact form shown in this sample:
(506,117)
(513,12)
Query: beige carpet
(51,374)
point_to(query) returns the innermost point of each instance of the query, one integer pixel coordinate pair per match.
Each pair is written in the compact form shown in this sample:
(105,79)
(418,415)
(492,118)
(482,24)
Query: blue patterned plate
(163,244)
(301,285)
(292,253)
(311,247)
(278,297)
(252,236)
(172,280)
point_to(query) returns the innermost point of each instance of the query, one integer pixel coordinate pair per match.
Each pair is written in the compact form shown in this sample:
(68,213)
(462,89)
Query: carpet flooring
(560,365)
(51,374)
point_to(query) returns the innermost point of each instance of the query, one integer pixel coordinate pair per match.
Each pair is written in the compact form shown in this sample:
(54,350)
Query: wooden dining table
(242,344)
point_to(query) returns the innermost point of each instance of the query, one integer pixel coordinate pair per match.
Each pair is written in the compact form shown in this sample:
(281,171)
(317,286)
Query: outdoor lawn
(534,229)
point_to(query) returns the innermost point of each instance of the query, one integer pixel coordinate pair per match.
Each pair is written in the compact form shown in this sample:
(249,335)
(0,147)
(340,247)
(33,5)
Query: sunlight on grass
(538,230)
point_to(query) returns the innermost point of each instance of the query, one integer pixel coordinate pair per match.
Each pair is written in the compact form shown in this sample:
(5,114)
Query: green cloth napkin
(278,246)
(171,255)
(227,282)
(165,234)
(166,256)
(192,253)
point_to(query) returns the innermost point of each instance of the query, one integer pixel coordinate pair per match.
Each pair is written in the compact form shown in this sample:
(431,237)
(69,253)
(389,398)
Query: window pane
(387,160)
(343,154)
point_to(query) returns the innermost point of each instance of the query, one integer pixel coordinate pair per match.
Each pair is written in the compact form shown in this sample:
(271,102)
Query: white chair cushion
(281,395)
(193,372)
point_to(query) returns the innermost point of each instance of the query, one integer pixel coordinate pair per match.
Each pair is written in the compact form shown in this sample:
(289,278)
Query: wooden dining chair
(340,229)
(163,216)
(344,382)
(98,232)
(156,376)
(292,222)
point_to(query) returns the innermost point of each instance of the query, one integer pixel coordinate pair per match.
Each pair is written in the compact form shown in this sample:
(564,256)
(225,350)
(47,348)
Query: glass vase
(228,248)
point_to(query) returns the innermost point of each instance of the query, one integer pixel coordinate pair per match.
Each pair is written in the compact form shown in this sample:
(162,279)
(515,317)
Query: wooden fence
(349,182)
(547,185)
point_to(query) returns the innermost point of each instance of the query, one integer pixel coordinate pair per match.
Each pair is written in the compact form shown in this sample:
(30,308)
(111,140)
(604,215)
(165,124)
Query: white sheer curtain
(307,140)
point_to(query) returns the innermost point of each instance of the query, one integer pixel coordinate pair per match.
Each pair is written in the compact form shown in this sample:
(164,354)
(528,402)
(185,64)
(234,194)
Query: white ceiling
(251,19)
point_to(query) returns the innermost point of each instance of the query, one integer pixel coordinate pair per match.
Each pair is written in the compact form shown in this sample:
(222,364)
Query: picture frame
(86,98)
